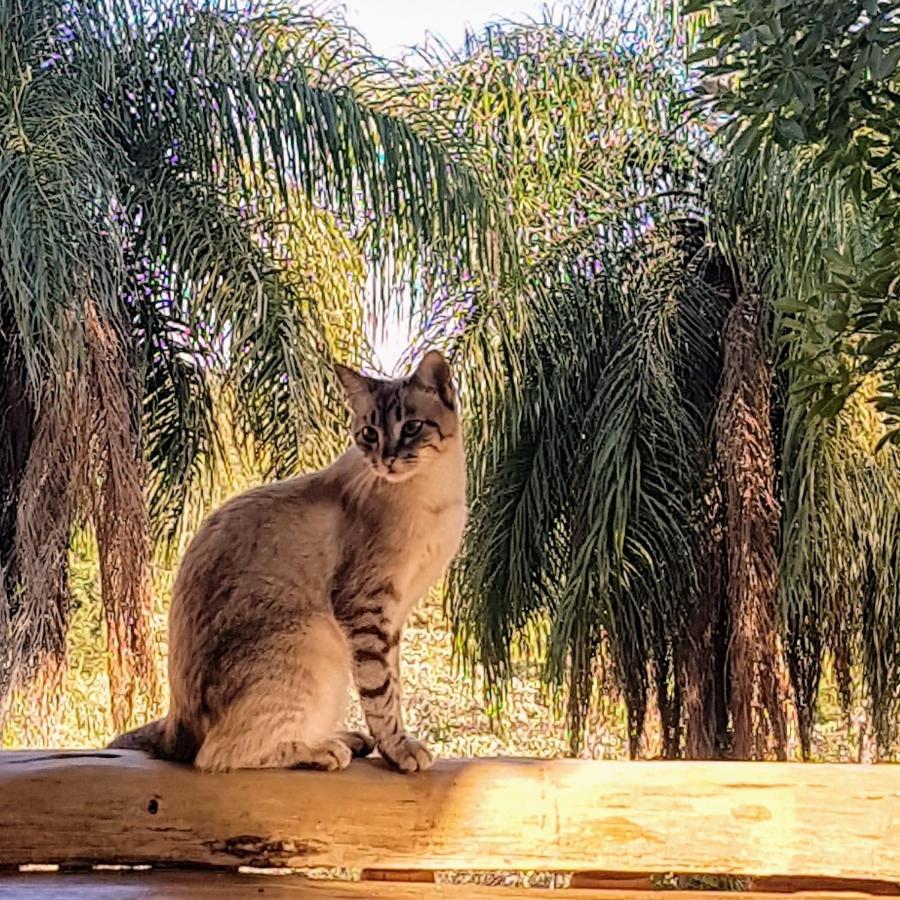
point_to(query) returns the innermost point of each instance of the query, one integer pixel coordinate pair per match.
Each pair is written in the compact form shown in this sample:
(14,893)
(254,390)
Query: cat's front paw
(406,754)
(331,756)
(360,743)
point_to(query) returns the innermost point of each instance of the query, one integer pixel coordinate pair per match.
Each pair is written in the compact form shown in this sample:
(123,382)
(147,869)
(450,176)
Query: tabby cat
(289,588)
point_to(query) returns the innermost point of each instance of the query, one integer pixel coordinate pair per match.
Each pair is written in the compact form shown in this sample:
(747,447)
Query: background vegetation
(663,253)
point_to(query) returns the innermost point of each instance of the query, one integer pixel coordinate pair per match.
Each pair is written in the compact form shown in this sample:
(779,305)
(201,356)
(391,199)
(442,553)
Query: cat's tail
(162,738)
(151,738)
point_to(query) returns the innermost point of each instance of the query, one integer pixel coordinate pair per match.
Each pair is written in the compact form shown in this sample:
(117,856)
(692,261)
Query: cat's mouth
(395,475)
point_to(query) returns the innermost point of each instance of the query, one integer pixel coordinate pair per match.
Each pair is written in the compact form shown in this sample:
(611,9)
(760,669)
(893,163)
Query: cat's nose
(389,461)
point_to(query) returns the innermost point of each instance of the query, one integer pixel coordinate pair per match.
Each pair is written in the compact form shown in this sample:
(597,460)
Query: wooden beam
(768,884)
(214,885)
(740,818)
(631,881)
(775,884)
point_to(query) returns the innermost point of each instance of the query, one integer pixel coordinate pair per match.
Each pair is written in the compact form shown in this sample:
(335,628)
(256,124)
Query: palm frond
(585,391)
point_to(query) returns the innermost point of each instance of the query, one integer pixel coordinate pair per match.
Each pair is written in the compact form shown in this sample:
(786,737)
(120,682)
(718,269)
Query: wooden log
(419,876)
(215,885)
(711,817)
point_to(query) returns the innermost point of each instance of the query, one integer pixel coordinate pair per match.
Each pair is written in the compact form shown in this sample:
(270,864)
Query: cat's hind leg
(223,756)
(293,694)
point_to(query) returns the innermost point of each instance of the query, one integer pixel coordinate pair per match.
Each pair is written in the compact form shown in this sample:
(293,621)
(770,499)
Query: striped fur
(290,590)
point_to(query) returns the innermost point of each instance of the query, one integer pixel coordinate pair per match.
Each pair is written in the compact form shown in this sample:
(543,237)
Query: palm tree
(659,509)
(593,384)
(655,511)
(165,168)
(839,491)
(808,185)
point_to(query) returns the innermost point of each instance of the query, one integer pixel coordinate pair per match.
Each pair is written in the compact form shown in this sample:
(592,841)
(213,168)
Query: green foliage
(824,78)
(807,192)
(138,139)
(189,198)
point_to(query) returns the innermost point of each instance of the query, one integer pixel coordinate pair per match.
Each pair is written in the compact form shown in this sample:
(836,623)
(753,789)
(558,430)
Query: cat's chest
(432,540)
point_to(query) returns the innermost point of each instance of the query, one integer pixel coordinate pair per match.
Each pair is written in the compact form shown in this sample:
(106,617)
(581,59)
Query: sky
(393,25)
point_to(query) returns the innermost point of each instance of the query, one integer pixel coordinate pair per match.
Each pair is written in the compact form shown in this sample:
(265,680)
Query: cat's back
(257,571)
(284,533)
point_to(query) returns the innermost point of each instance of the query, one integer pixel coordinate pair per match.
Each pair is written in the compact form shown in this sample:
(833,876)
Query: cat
(289,588)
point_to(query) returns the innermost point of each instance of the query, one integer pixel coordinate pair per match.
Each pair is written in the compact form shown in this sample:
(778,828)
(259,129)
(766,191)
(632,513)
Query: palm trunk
(703,643)
(703,668)
(121,520)
(746,460)
(16,436)
(81,453)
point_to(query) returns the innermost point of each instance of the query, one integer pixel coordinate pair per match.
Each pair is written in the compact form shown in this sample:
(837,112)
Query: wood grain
(212,886)
(742,818)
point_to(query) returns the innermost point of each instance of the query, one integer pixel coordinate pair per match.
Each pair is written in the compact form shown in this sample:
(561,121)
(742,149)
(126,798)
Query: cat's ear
(434,372)
(355,385)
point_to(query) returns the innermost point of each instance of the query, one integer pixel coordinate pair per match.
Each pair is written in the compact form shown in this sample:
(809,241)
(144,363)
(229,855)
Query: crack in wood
(43,757)
(252,848)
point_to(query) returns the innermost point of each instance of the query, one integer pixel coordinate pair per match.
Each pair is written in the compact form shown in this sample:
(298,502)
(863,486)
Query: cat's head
(403,425)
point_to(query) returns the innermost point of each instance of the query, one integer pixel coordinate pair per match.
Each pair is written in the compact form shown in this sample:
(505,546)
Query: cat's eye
(412,428)
(369,435)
